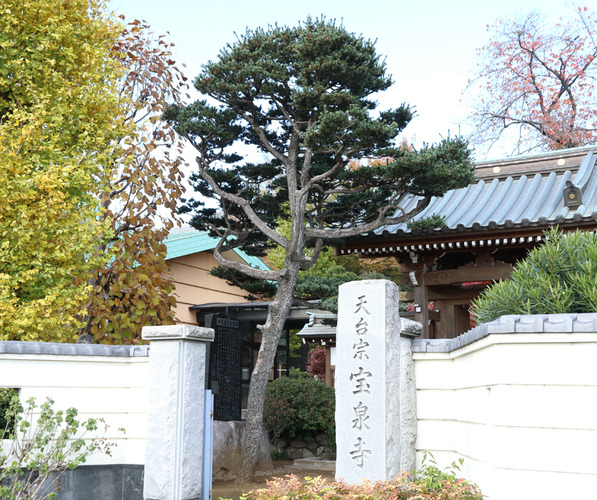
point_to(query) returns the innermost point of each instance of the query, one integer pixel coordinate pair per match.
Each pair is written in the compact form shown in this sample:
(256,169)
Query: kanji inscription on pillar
(367,381)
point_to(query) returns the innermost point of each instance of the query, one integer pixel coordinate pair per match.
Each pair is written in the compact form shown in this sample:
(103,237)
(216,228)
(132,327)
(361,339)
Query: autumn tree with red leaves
(140,194)
(538,80)
(316,365)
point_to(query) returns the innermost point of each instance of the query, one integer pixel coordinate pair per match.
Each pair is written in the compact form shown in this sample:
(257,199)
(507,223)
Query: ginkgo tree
(90,176)
(59,114)
(303,97)
(536,79)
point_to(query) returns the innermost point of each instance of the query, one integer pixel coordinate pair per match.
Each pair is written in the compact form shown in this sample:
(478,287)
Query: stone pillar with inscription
(175,420)
(368,381)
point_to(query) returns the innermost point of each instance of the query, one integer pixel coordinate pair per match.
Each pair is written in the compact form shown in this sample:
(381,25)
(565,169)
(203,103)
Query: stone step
(314,464)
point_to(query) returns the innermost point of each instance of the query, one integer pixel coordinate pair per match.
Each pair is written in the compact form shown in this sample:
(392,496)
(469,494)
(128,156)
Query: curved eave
(519,205)
(462,238)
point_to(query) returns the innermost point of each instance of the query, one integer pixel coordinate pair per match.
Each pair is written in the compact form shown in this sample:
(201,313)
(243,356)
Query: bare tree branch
(365,228)
(241,267)
(308,262)
(244,204)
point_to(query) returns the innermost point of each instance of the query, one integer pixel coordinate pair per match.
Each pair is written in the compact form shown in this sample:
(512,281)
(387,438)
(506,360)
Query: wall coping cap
(56,349)
(178,332)
(513,323)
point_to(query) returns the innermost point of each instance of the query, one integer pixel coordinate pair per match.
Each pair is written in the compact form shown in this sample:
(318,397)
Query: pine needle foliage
(291,120)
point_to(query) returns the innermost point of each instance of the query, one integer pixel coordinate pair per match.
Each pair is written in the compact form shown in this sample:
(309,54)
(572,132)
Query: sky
(430,45)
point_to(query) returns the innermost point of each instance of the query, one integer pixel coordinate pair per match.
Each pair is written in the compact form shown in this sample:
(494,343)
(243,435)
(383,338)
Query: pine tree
(302,98)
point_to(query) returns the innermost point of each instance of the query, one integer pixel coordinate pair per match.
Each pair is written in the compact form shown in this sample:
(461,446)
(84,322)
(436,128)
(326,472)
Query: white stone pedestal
(174,443)
(368,381)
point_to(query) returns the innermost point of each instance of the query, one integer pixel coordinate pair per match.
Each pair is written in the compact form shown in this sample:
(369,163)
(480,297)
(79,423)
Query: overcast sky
(430,46)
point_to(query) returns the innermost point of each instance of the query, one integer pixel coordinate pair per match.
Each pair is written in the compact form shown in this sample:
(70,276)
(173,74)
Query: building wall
(518,407)
(194,284)
(107,382)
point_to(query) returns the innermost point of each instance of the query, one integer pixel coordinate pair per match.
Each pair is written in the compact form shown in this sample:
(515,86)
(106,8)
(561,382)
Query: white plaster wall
(112,388)
(521,409)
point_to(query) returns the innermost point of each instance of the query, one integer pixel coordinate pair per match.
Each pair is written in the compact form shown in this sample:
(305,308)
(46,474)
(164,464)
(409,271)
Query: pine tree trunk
(271,331)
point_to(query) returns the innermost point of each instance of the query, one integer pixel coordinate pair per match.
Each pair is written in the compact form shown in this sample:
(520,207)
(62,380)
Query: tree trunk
(271,331)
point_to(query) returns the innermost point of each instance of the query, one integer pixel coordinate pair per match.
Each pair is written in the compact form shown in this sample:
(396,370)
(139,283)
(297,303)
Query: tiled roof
(191,241)
(316,328)
(518,200)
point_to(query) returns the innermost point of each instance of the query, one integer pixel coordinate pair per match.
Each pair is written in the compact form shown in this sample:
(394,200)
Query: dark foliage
(7,398)
(316,365)
(434,221)
(299,407)
(302,98)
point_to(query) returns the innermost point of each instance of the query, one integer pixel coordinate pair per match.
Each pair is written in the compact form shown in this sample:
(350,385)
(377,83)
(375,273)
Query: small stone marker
(367,381)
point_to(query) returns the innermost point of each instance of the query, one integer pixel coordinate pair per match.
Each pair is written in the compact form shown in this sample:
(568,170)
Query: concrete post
(368,381)
(408,406)
(174,444)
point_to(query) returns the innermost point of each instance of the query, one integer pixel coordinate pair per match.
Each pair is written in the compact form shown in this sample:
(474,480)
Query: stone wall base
(125,481)
(298,448)
(227,450)
(114,482)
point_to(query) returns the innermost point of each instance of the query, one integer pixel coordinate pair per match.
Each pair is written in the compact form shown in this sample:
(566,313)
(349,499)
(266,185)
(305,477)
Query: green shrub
(557,277)
(39,452)
(7,398)
(299,407)
(431,478)
(277,455)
